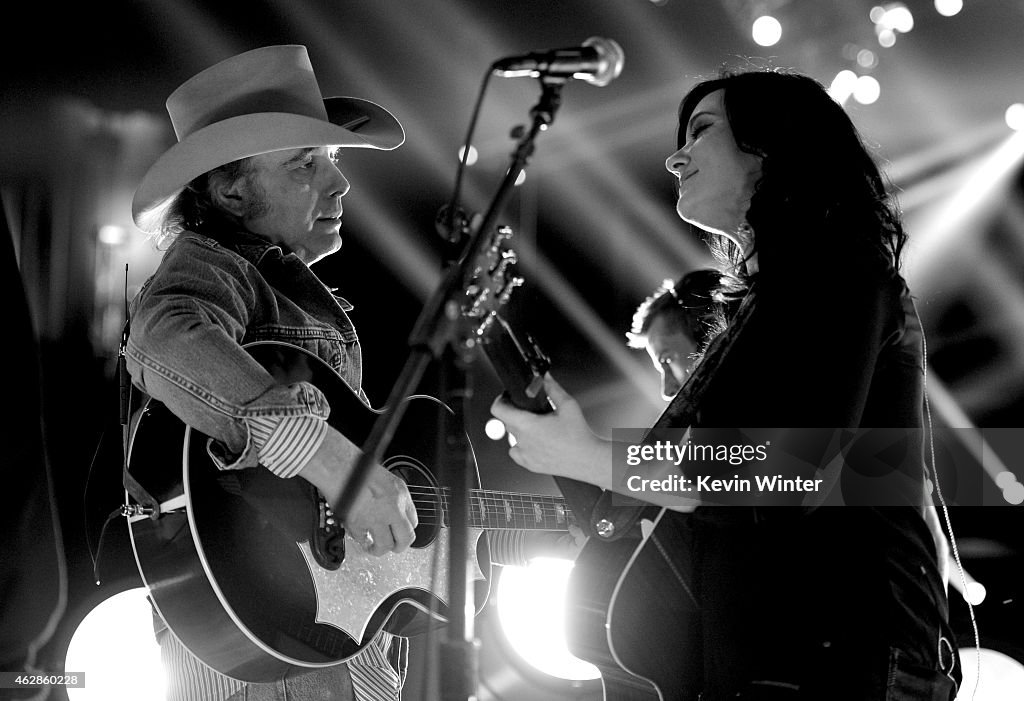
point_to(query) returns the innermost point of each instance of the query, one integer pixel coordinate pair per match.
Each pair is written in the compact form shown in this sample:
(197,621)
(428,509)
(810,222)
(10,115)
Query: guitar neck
(503,510)
(492,510)
(520,365)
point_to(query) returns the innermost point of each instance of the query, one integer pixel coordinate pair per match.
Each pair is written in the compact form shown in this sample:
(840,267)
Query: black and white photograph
(596,350)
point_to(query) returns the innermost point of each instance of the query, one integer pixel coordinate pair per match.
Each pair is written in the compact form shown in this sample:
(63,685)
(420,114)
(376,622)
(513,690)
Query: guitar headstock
(515,355)
(493,282)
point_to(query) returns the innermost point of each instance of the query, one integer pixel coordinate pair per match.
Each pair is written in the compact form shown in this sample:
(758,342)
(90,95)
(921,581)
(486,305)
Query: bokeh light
(842,86)
(1015,116)
(766,30)
(948,8)
(867,90)
(495,429)
(531,608)
(115,648)
(1002,677)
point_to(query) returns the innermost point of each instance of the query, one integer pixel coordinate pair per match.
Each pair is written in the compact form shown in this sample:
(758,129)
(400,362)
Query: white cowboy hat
(260,101)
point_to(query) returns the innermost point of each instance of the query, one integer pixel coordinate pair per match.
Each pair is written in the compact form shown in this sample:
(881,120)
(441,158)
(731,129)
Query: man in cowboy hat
(246,201)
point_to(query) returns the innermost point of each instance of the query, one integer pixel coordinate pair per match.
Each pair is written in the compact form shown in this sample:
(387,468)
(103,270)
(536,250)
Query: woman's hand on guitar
(559,443)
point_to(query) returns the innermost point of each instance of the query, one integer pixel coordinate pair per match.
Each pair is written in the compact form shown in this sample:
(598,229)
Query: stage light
(895,16)
(1005,478)
(112,235)
(472,157)
(1015,116)
(890,19)
(1013,491)
(947,228)
(866,58)
(842,86)
(976,593)
(1014,494)
(766,30)
(866,90)
(495,429)
(899,18)
(948,8)
(115,648)
(886,38)
(531,609)
(521,178)
(1002,677)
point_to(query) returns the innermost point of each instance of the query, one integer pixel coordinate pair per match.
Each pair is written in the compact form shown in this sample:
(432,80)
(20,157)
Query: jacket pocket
(911,682)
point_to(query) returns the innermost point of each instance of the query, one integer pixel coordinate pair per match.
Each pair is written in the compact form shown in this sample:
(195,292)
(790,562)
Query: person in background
(676,323)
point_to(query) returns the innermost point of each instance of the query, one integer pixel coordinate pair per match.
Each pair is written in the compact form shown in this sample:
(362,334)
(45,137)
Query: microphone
(598,61)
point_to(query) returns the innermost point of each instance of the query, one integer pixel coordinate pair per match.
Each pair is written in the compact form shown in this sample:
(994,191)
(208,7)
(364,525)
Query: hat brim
(354,123)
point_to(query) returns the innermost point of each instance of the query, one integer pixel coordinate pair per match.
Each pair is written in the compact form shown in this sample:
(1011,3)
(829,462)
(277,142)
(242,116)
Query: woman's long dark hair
(819,191)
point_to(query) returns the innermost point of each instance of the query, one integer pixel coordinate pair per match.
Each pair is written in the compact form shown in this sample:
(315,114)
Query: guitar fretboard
(493,510)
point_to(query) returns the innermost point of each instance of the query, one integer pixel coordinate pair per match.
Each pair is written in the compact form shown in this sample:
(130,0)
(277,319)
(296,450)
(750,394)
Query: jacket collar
(259,250)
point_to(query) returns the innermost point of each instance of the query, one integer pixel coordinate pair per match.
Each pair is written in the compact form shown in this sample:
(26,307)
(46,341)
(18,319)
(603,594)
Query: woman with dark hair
(835,593)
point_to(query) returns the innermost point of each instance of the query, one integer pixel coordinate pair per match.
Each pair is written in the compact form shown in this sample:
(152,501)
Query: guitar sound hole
(425,495)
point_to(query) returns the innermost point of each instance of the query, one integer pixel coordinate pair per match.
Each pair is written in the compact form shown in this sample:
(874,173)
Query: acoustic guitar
(630,603)
(254,573)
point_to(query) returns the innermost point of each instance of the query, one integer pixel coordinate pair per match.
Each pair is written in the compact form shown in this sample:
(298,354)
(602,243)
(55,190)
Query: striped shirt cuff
(285,445)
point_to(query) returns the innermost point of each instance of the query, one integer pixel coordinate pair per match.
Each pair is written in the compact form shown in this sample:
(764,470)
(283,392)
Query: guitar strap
(682,410)
(614,516)
(150,506)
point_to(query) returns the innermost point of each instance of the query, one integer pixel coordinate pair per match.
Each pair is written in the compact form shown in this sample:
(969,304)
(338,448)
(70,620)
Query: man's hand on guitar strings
(384,517)
(559,443)
(384,508)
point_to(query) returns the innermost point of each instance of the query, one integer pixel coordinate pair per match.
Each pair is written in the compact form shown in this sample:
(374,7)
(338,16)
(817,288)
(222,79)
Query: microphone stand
(439,333)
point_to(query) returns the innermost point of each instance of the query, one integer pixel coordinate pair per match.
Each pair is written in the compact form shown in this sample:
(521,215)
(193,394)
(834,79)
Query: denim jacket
(205,301)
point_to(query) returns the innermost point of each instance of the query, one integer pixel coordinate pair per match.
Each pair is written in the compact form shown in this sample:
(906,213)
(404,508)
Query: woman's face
(716,178)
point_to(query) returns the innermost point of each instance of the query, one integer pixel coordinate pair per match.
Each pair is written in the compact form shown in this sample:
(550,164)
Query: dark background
(82,117)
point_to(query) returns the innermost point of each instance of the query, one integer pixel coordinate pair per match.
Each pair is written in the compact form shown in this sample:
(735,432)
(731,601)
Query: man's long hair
(195,209)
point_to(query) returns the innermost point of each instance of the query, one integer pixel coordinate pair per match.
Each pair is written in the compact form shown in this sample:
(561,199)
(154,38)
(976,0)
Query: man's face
(302,190)
(670,350)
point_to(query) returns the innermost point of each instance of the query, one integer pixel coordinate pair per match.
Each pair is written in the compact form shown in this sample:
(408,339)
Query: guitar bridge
(328,536)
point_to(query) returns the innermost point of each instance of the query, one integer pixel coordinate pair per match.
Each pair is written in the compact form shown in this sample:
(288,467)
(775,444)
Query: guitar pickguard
(347,597)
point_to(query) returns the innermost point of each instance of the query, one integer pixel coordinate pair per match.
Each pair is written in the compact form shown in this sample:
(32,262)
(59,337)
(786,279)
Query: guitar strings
(498,512)
(426,489)
(501,503)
